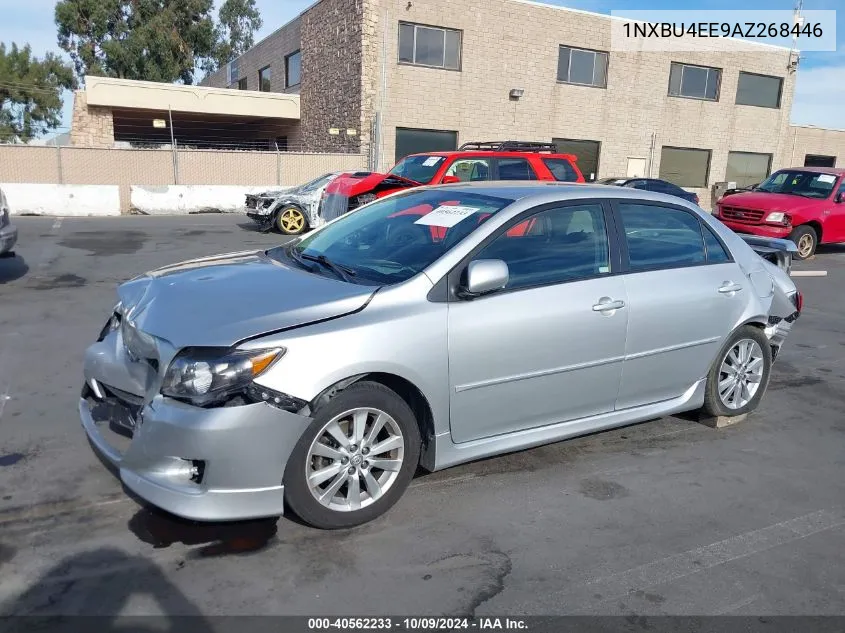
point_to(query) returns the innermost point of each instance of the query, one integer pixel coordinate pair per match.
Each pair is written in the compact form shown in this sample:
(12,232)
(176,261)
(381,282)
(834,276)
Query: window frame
(683,65)
(288,84)
(446,289)
(245,81)
(768,167)
(261,71)
(399,128)
(233,73)
(622,238)
(695,149)
(558,141)
(595,52)
(444,29)
(833,166)
(756,105)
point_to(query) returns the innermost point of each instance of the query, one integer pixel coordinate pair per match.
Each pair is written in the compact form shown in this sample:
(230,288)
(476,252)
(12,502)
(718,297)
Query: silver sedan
(436,326)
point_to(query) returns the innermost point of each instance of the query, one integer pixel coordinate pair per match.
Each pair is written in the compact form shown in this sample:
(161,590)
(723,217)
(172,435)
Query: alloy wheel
(355,459)
(292,220)
(805,245)
(741,374)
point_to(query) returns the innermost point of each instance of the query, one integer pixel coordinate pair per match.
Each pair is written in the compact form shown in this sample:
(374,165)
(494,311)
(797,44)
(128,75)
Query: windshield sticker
(827,178)
(446,217)
(431,161)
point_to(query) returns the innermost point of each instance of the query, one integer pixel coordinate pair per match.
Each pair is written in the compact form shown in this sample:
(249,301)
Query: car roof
(472,153)
(816,170)
(551,191)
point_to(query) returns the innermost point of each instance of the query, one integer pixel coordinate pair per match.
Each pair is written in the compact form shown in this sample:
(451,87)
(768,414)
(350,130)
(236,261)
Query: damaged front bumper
(205,464)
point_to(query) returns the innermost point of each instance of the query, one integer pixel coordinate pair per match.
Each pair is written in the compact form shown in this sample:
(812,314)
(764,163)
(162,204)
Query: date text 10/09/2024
(416,624)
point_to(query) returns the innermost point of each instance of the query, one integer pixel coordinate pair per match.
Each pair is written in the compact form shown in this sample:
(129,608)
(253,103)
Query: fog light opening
(197,470)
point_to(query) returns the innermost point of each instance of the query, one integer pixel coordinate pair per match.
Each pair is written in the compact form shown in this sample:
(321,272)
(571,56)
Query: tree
(154,40)
(238,20)
(31,92)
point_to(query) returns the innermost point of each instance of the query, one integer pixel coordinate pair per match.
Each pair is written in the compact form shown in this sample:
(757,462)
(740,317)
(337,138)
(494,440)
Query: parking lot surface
(665,517)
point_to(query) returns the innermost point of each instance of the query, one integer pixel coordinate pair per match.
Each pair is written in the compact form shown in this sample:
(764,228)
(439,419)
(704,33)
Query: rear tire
(740,374)
(806,239)
(341,474)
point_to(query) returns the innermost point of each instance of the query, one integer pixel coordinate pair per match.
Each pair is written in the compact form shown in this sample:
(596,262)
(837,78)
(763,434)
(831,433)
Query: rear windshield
(806,184)
(418,168)
(391,240)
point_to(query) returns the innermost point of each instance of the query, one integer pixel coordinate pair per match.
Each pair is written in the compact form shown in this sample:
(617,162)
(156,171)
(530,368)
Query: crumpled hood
(769,201)
(218,301)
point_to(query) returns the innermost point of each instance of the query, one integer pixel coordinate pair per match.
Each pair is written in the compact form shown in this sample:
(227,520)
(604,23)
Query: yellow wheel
(291,221)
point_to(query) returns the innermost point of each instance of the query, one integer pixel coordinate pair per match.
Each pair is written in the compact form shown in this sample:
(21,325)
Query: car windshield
(799,183)
(316,183)
(418,168)
(391,240)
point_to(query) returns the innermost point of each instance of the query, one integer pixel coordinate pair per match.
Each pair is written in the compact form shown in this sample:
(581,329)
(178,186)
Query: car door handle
(606,304)
(729,287)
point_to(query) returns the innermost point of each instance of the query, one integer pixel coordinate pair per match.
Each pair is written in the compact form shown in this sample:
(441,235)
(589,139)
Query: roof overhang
(151,95)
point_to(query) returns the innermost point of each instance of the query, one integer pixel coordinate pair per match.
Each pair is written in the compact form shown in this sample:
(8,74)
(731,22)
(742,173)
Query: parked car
(8,232)
(651,184)
(533,314)
(473,162)
(290,211)
(802,204)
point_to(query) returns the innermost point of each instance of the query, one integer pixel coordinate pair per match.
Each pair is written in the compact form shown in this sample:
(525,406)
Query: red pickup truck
(803,204)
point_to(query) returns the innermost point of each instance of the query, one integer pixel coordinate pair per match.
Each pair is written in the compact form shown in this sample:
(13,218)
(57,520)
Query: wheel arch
(405,389)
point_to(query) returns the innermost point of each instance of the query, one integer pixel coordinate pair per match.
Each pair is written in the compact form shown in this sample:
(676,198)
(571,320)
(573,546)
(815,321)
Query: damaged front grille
(252,202)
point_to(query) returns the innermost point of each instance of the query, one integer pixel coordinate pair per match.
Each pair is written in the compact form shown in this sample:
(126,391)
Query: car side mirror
(839,198)
(485,276)
(448,180)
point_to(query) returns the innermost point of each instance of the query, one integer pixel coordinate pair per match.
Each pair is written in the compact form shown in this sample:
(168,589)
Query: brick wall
(813,140)
(510,44)
(271,51)
(92,126)
(332,74)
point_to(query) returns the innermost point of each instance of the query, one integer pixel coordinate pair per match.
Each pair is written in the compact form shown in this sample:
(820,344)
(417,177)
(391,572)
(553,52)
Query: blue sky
(820,91)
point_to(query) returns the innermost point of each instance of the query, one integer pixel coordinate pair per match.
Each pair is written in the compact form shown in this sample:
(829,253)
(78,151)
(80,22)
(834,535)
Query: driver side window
(554,246)
(470,169)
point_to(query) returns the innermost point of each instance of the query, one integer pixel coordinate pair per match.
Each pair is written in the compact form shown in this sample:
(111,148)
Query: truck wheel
(291,221)
(805,239)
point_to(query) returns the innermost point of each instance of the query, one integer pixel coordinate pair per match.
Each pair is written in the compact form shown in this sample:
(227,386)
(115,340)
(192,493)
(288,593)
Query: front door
(684,295)
(549,347)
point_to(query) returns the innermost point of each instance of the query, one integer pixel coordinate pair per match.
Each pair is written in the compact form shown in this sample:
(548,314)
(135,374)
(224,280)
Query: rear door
(685,295)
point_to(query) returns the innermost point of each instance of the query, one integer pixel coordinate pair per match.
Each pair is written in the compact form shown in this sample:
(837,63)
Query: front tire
(355,459)
(740,374)
(291,221)
(806,239)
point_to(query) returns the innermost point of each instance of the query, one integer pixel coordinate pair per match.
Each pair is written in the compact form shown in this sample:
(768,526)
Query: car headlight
(778,217)
(205,376)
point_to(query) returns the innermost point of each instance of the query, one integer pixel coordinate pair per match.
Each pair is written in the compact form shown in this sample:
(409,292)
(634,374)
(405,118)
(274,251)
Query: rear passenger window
(562,244)
(716,253)
(661,237)
(561,169)
(515,169)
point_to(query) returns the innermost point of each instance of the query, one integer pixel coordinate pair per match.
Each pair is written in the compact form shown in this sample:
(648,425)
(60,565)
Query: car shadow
(254,227)
(12,268)
(105,583)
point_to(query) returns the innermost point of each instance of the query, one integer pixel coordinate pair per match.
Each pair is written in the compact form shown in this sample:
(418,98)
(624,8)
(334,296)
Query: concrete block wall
(511,44)
(806,139)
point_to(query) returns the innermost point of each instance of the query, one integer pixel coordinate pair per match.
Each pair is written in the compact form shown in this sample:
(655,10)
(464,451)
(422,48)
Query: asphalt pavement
(664,517)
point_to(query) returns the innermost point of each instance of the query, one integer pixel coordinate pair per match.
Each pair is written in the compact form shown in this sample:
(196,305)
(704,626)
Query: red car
(803,204)
(508,160)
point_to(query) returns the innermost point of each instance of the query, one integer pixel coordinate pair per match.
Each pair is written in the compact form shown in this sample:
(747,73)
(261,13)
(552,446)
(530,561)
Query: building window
(264,79)
(684,166)
(429,46)
(759,90)
(293,69)
(817,160)
(415,141)
(242,83)
(694,82)
(747,168)
(232,73)
(582,66)
(586,153)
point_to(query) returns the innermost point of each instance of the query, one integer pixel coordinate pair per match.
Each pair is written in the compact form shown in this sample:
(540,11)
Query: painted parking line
(808,273)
